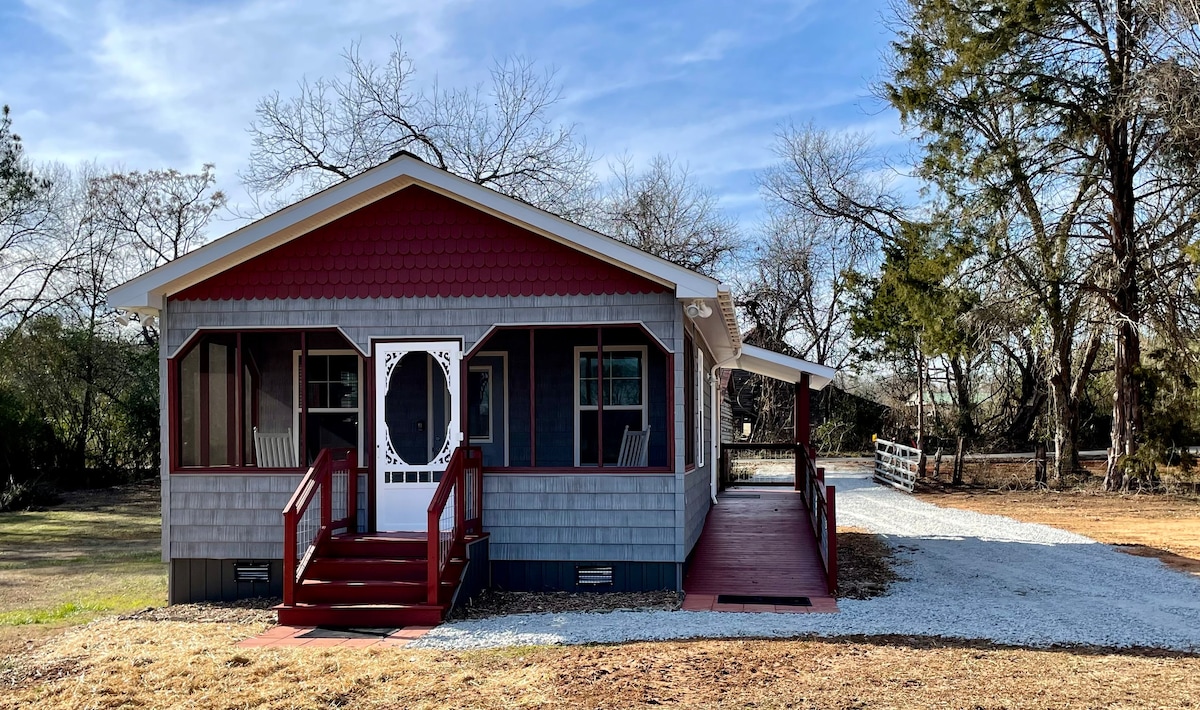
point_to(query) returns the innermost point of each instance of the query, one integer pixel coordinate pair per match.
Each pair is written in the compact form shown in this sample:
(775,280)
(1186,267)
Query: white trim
(255,329)
(324,410)
(504,368)
(577,324)
(644,407)
(150,289)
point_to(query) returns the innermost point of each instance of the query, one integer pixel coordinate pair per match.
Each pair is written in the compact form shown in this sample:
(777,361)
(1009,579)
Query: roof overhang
(769,363)
(149,291)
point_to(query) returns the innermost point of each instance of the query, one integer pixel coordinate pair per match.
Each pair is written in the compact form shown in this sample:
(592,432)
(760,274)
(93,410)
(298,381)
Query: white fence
(896,465)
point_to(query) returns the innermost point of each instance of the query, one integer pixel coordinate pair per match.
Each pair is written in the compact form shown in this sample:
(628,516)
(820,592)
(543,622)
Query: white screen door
(417,428)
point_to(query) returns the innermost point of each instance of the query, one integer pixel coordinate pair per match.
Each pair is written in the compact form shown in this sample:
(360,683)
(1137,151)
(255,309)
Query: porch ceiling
(769,363)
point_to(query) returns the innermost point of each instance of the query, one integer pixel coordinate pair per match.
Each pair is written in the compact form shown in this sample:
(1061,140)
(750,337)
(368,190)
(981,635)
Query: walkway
(757,542)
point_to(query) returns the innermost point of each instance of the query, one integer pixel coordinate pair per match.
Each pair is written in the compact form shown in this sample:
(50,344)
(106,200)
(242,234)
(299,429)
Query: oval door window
(416,408)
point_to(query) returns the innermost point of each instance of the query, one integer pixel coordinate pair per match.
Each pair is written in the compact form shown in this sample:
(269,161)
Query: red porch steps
(371,581)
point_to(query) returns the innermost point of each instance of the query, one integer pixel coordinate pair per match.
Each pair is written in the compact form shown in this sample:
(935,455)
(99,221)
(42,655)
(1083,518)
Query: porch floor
(757,542)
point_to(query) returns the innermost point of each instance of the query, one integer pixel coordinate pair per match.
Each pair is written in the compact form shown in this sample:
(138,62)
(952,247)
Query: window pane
(624,392)
(344,369)
(342,396)
(615,422)
(622,364)
(316,396)
(587,393)
(587,365)
(189,405)
(587,438)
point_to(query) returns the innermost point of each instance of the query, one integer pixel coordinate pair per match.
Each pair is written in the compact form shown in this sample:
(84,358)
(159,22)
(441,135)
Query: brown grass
(113,664)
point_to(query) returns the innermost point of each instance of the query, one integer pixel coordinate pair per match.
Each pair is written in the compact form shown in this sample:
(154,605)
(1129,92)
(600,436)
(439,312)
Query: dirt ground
(113,664)
(1152,525)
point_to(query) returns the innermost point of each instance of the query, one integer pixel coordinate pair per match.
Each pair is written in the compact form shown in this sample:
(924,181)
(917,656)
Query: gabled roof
(150,290)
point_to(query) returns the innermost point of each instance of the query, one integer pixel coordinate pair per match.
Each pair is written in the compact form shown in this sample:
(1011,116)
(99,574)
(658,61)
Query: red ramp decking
(757,542)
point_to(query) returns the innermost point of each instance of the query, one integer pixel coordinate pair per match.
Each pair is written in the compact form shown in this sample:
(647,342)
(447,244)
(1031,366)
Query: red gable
(418,243)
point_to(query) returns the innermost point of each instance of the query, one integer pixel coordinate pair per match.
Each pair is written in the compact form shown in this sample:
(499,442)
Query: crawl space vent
(594,576)
(252,571)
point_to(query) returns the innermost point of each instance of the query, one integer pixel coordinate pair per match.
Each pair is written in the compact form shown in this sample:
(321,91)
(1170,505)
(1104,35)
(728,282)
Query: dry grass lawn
(113,663)
(118,664)
(1163,526)
(96,553)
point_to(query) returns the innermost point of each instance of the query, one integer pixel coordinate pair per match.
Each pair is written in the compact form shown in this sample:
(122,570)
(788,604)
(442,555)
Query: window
(333,398)
(609,396)
(479,403)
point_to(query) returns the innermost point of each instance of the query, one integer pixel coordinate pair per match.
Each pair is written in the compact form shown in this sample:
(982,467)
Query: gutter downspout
(716,421)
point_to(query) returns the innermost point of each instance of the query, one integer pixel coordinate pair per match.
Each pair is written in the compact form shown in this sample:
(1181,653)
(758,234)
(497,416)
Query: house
(439,383)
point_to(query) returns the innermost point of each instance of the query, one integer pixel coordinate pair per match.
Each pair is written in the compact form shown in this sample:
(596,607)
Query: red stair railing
(326,501)
(455,512)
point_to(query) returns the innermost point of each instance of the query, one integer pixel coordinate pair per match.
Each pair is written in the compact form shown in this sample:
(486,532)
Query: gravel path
(968,575)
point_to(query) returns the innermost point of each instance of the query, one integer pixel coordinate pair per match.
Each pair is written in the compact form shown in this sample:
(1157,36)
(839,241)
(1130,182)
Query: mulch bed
(256,610)
(865,565)
(498,602)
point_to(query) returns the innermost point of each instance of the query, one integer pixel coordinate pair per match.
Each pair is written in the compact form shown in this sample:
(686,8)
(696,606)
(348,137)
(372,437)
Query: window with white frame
(609,396)
(332,396)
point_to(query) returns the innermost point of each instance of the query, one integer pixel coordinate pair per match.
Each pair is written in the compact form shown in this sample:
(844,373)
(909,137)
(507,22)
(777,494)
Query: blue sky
(150,83)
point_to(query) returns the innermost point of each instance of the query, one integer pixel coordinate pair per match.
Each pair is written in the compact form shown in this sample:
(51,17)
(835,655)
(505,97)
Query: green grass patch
(97,554)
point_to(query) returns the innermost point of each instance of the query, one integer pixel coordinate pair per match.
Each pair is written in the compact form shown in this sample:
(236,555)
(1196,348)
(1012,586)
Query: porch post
(801,423)
(532,406)
(599,397)
(239,404)
(803,420)
(301,392)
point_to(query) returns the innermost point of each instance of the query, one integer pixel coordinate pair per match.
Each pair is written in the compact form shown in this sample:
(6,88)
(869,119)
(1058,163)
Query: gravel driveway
(967,575)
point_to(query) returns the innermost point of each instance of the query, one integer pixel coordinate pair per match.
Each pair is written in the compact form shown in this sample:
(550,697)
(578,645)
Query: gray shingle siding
(580,517)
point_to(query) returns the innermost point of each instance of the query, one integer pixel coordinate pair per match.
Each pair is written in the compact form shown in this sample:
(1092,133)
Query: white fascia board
(783,367)
(375,184)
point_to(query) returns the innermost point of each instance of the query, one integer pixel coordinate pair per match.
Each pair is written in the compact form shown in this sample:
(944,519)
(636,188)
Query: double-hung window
(609,396)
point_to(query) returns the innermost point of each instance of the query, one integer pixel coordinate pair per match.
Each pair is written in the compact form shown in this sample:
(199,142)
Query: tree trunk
(1126,296)
(1064,413)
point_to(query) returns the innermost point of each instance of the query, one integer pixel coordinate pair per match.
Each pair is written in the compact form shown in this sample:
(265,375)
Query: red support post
(289,557)
(599,397)
(352,492)
(831,572)
(803,417)
(532,406)
(460,502)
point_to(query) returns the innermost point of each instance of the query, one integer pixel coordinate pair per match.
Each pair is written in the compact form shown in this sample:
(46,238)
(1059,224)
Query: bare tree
(30,253)
(503,137)
(663,211)
(155,216)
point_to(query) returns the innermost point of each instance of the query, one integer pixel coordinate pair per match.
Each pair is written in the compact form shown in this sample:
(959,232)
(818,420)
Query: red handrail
(463,479)
(821,502)
(318,484)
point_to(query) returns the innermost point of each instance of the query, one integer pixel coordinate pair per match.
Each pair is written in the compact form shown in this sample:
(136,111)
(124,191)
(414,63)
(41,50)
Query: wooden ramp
(757,542)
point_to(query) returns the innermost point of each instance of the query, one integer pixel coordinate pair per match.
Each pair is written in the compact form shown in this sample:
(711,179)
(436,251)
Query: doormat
(740,495)
(322,632)
(753,599)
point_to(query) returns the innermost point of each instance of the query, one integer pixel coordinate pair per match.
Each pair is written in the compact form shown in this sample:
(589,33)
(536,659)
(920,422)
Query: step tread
(401,583)
(374,606)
